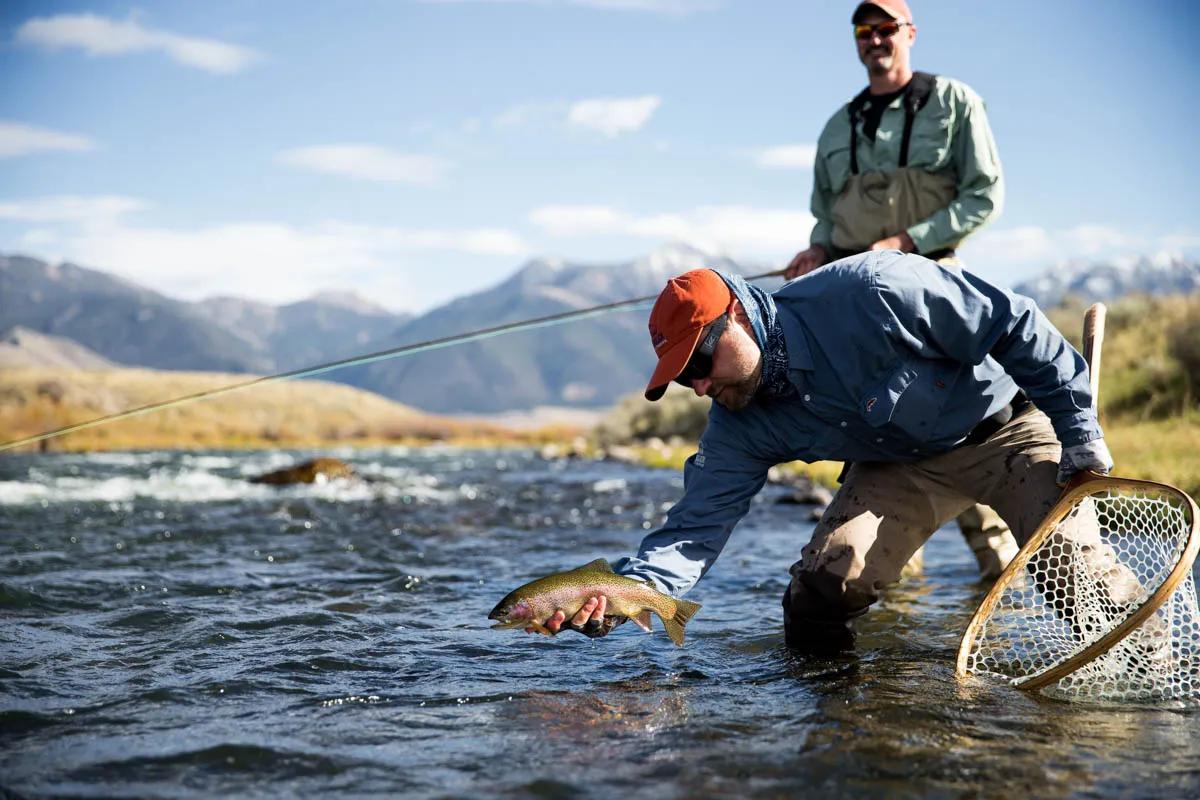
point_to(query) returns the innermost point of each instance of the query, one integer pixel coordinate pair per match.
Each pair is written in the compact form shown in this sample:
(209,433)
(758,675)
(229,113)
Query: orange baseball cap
(688,303)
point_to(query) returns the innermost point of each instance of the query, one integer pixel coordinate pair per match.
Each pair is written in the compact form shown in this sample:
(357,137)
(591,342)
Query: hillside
(585,364)
(121,321)
(22,347)
(288,414)
(582,365)
(130,324)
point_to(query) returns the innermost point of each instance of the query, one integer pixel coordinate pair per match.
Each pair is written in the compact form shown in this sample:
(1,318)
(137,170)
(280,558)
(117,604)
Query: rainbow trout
(529,606)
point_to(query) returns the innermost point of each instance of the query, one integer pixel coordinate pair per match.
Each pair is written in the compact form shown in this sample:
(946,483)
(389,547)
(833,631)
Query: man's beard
(737,396)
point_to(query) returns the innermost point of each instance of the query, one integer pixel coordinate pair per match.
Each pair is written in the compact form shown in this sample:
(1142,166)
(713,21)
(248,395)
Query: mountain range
(1091,282)
(587,363)
(136,326)
(583,364)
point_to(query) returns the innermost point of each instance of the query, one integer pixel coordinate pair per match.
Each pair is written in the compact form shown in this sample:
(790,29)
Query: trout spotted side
(534,603)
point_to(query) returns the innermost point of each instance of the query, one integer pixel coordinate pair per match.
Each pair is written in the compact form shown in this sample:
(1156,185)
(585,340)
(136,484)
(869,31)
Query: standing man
(909,164)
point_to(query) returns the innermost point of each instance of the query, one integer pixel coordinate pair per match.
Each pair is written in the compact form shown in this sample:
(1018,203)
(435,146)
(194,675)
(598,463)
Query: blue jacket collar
(799,354)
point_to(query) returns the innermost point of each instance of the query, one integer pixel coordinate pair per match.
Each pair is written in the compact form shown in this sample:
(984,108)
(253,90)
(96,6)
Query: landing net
(1100,605)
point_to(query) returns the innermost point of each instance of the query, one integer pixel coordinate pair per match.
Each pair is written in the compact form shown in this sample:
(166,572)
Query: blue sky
(413,150)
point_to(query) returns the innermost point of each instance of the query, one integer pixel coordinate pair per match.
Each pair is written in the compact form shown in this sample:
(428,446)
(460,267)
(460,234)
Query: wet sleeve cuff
(1077,428)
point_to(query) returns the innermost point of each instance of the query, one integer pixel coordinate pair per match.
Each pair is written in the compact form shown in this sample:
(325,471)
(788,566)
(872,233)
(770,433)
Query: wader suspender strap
(916,95)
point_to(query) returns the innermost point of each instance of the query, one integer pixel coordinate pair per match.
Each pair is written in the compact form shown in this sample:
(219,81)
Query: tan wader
(884,512)
(876,205)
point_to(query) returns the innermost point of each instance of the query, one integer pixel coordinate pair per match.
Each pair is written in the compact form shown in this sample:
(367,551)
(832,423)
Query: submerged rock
(317,470)
(805,492)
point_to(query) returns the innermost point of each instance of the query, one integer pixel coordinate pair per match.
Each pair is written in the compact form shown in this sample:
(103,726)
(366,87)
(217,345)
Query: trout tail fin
(684,610)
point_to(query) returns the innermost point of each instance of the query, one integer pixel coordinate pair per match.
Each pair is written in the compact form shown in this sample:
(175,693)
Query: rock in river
(318,470)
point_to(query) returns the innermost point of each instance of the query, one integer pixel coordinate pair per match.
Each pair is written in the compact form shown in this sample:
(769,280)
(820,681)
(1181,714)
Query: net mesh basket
(1100,604)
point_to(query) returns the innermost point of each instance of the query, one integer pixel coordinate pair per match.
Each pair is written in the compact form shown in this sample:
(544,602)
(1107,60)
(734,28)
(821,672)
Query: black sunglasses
(700,365)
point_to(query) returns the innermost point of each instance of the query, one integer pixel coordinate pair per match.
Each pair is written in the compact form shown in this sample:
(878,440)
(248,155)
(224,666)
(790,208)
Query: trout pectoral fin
(503,626)
(642,620)
(539,627)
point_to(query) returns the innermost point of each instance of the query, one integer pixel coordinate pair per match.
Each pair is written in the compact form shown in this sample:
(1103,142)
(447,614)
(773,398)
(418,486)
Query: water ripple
(171,630)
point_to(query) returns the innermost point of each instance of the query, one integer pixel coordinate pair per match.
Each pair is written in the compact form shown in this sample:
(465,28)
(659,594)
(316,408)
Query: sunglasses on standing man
(886,30)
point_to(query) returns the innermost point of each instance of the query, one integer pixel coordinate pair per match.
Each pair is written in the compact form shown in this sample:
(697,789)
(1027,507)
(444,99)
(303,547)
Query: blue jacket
(894,358)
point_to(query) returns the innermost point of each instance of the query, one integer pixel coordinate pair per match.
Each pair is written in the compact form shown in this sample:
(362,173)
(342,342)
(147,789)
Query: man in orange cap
(941,389)
(909,164)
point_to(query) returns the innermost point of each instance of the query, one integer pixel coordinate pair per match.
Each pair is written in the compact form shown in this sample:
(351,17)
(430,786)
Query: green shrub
(679,413)
(1151,357)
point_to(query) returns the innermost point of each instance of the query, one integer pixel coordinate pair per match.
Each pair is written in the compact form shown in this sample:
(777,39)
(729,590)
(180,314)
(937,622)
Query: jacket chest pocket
(930,147)
(910,398)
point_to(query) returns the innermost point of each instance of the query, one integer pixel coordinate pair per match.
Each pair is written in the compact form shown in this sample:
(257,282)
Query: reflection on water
(170,629)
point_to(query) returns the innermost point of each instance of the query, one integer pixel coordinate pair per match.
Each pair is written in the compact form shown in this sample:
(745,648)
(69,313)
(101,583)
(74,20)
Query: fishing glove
(594,629)
(1091,455)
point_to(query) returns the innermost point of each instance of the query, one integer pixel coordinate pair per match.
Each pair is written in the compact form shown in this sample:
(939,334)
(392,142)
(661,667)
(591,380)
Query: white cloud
(1020,245)
(613,116)
(608,116)
(1088,241)
(742,230)
(102,36)
(1009,255)
(261,260)
(366,162)
(579,220)
(786,156)
(88,210)
(678,7)
(1182,241)
(18,139)
(525,114)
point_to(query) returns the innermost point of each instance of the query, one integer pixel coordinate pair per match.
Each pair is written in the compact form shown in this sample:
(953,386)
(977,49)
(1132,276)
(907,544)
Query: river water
(170,630)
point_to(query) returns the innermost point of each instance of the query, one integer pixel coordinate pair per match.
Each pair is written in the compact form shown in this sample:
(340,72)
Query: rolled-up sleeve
(720,480)
(980,181)
(944,312)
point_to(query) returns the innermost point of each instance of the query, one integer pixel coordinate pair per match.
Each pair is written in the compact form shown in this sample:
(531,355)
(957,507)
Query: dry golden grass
(286,414)
(1165,450)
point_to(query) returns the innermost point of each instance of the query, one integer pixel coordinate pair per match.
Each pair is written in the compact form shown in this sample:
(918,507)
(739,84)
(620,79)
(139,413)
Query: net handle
(1093,342)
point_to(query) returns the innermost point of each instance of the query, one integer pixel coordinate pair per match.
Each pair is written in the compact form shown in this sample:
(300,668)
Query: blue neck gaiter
(760,308)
